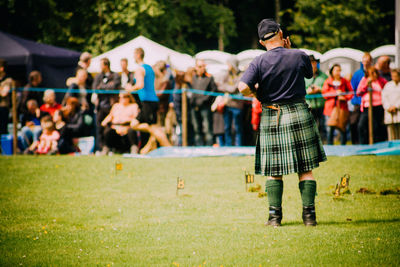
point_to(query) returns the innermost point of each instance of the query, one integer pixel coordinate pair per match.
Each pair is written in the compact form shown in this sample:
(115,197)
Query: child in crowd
(47,143)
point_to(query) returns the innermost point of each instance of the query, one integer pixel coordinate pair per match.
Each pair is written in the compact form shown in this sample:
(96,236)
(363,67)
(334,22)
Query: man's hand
(287,43)
(392,109)
(244,89)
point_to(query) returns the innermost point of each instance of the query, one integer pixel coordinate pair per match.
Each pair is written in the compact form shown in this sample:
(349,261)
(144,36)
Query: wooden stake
(15,119)
(370,119)
(184,118)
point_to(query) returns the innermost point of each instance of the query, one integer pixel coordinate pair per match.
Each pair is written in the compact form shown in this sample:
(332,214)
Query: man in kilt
(288,139)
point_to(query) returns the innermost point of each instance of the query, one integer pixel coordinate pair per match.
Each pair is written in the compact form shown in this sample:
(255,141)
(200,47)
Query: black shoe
(275,216)
(309,218)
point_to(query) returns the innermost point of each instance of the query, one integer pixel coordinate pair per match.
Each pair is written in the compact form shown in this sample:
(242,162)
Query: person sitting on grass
(47,143)
(118,134)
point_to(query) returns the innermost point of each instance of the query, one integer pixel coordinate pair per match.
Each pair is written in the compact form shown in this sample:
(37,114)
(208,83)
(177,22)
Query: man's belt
(277,106)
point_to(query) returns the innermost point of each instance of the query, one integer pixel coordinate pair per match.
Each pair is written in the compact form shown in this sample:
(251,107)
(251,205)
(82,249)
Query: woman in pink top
(118,134)
(376,83)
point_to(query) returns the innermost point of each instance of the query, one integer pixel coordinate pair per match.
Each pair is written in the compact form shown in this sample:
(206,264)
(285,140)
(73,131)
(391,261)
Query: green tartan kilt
(294,146)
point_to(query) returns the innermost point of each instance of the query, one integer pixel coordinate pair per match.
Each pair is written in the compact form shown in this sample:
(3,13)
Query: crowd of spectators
(122,122)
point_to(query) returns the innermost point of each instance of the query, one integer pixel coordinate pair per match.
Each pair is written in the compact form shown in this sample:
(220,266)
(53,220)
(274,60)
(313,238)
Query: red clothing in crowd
(329,88)
(50,109)
(256,114)
(377,87)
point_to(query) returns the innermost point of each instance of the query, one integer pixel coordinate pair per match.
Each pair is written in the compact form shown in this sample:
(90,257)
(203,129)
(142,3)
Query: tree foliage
(322,25)
(194,25)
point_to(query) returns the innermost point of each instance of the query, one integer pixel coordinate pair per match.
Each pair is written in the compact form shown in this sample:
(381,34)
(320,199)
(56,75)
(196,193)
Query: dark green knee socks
(274,189)
(307,191)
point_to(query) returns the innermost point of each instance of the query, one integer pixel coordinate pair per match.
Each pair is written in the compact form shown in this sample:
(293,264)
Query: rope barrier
(171,91)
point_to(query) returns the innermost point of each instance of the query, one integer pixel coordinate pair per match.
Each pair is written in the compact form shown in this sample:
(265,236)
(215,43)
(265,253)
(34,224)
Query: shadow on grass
(355,222)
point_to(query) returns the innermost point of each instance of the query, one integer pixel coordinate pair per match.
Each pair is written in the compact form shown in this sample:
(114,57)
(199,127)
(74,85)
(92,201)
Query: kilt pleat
(292,146)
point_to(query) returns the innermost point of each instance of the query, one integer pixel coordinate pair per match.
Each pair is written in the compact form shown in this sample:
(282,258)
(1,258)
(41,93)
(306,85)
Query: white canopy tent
(348,58)
(385,50)
(153,53)
(309,52)
(215,60)
(245,57)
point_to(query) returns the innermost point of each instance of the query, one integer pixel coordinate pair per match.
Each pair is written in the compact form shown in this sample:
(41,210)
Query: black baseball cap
(267,29)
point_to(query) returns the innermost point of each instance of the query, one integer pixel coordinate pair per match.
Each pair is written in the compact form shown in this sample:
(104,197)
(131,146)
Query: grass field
(75,211)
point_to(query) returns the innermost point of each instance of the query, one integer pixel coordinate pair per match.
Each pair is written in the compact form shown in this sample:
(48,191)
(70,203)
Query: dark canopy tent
(23,56)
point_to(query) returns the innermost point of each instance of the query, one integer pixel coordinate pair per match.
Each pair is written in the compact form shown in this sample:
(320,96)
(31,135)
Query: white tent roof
(309,52)
(214,57)
(153,53)
(385,50)
(215,60)
(246,56)
(351,53)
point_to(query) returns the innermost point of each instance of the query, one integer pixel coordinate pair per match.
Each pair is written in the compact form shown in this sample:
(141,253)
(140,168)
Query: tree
(322,25)
(178,24)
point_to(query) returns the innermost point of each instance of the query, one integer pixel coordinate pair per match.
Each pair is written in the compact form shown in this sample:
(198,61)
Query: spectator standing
(334,86)
(233,107)
(391,104)
(105,80)
(356,100)
(383,67)
(127,77)
(35,80)
(147,118)
(317,102)
(79,82)
(183,81)
(218,108)
(6,84)
(84,63)
(161,83)
(50,105)
(118,134)
(373,81)
(200,111)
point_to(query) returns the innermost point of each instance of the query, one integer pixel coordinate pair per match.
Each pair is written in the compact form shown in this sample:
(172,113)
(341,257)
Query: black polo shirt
(280,74)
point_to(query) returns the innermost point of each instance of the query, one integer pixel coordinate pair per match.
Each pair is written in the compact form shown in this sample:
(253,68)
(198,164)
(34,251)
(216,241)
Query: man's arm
(139,77)
(245,90)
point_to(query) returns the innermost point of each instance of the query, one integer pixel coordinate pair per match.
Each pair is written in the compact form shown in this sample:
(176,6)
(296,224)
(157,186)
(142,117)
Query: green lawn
(70,211)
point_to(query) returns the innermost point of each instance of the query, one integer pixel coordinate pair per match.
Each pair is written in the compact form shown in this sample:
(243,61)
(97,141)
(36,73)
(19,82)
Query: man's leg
(156,134)
(363,128)
(196,123)
(274,189)
(308,188)
(206,116)
(27,137)
(228,126)
(237,121)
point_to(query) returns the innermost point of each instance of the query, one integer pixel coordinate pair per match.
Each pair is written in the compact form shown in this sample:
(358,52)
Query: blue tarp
(382,148)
